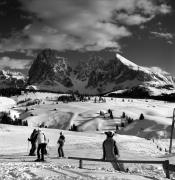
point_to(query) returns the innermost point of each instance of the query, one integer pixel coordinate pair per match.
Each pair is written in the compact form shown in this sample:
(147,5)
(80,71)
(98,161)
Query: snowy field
(143,139)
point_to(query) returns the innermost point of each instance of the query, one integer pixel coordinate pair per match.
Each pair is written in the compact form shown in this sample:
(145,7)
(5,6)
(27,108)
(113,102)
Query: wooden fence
(166,166)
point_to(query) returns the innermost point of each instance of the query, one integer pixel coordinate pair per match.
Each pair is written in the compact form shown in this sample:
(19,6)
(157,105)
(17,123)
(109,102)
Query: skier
(32,139)
(42,142)
(111,152)
(61,142)
(110,113)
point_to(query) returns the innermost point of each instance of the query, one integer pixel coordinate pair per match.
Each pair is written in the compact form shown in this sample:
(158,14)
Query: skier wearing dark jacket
(32,139)
(111,152)
(61,141)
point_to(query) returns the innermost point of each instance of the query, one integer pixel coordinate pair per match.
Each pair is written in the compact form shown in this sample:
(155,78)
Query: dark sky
(141,30)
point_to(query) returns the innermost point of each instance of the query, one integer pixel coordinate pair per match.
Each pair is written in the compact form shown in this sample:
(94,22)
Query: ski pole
(28,147)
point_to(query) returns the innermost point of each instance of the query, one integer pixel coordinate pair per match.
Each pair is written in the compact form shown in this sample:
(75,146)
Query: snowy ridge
(127,62)
(132,65)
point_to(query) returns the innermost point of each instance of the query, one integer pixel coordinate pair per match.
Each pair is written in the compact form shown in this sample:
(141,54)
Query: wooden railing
(166,166)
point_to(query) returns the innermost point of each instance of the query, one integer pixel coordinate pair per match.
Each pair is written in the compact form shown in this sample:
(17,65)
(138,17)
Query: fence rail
(166,166)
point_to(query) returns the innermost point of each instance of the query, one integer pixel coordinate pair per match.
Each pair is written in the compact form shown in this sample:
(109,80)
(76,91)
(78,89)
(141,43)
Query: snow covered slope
(94,76)
(86,115)
(16,164)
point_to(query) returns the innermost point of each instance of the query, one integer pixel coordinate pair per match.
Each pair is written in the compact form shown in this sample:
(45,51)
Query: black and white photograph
(87,89)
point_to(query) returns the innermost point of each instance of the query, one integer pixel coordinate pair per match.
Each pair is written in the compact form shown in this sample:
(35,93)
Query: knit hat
(109,134)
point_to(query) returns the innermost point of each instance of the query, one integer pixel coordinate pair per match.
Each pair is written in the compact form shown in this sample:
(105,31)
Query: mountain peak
(50,69)
(127,62)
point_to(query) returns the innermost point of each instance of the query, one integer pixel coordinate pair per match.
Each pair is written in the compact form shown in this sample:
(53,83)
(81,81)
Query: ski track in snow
(49,170)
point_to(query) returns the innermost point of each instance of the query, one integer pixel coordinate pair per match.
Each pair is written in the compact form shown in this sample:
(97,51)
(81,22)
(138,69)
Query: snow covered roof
(31,87)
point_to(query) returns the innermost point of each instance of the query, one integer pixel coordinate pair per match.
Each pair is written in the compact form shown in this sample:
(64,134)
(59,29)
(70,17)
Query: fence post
(172,128)
(166,168)
(80,164)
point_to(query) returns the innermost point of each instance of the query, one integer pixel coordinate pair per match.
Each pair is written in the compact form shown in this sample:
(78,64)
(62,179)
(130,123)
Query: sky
(143,31)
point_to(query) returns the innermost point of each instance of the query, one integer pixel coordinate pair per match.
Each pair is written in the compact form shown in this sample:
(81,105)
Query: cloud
(137,12)
(162,35)
(14,63)
(166,36)
(81,24)
(133,19)
(158,70)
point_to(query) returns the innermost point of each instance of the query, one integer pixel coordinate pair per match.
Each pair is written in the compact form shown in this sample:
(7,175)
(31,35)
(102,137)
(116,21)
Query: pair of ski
(45,161)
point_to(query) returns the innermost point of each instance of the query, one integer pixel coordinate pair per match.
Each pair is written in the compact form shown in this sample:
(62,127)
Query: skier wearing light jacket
(41,139)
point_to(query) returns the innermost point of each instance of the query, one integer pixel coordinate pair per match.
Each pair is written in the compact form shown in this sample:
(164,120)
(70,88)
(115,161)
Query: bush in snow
(111,115)
(116,127)
(95,100)
(73,128)
(122,124)
(17,121)
(123,115)
(141,117)
(130,120)
(42,125)
(5,118)
(25,123)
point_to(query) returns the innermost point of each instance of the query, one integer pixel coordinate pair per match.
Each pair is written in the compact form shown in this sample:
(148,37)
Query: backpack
(116,152)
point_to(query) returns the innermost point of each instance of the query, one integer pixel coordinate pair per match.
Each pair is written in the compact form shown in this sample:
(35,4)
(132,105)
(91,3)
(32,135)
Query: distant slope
(10,79)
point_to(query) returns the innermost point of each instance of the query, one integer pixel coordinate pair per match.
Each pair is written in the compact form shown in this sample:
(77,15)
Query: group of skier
(39,138)
(109,146)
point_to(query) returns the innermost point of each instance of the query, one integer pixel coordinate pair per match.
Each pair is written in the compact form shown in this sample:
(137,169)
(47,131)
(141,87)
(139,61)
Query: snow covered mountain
(94,76)
(10,79)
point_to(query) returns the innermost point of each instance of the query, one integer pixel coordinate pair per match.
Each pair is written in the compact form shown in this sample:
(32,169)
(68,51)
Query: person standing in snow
(32,139)
(61,142)
(41,139)
(111,151)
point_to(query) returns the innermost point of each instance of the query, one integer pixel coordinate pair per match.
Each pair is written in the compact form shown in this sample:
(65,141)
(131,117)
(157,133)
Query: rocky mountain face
(49,68)
(97,75)
(12,79)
